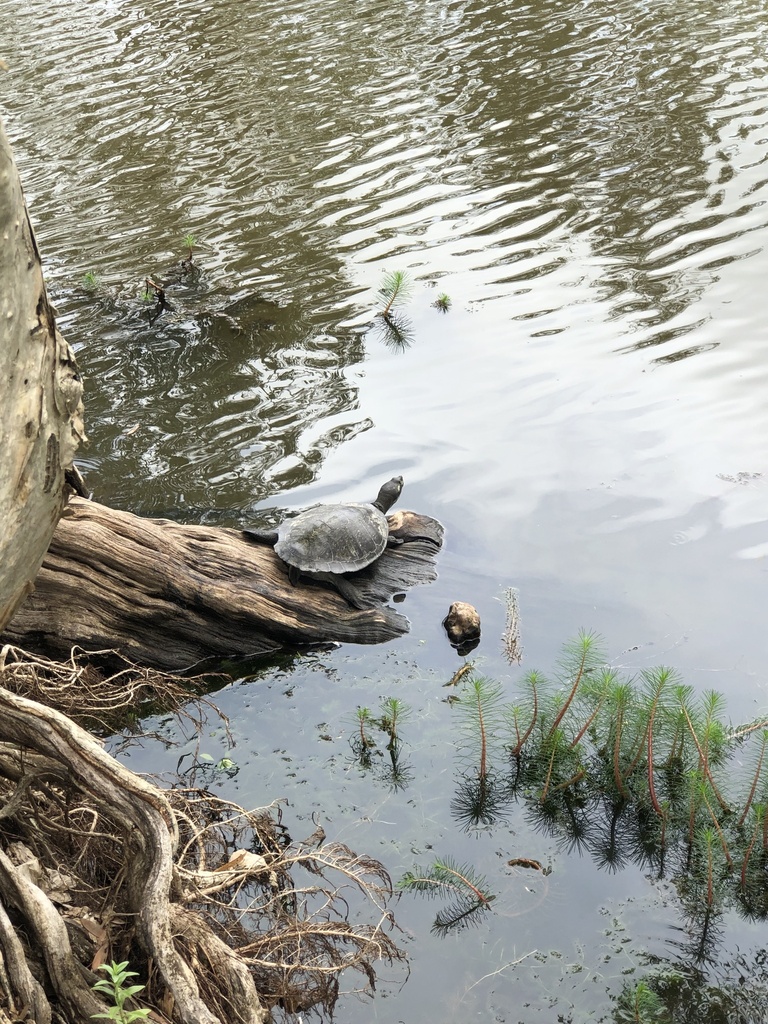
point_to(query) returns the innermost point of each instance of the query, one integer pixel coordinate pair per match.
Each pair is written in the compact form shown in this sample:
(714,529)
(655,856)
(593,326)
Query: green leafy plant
(364,720)
(624,768)
(361,742)
(189,244)
(91,281)
(442,302)
(115,988)
(478,796)
(392,712)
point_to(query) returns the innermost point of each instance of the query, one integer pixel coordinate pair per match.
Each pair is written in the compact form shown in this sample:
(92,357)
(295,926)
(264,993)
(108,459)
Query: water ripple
(614,149)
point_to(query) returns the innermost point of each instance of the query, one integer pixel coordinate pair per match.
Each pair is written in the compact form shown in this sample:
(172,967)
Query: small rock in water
(462,624)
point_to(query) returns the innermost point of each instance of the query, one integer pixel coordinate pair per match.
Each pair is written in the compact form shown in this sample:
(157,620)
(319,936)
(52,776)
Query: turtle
(326,541)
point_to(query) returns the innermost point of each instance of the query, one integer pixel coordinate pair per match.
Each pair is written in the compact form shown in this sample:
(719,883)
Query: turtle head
(389,494)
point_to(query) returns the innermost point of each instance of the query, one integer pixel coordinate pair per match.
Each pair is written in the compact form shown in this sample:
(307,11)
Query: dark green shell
(333,538)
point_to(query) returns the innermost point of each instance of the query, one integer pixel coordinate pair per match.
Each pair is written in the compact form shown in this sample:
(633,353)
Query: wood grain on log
(170,595)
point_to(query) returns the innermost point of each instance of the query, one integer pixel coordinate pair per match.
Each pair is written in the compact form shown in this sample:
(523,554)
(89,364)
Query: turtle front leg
(293,575)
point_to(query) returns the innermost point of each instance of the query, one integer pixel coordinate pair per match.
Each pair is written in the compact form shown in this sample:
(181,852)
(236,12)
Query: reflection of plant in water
(735,992)
(465,889)
(361,743)
(641,1005)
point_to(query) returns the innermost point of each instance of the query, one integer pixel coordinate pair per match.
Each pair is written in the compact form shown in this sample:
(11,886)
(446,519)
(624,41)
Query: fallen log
(171,595)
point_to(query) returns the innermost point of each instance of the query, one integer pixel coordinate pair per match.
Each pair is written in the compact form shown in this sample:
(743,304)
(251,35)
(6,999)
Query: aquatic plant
(395,289)
(641,1005)
(364,719)
(393,711)
(395,328)
(442,302)
(91,281)
(207,767)
(466,891)
(625,767)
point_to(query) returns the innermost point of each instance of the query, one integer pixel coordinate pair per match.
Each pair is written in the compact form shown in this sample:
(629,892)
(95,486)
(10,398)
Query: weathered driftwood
(40,391)
(170,595)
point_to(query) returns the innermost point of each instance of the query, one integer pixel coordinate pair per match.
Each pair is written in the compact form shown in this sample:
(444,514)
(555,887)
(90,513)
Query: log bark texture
(40,396)
(170,595)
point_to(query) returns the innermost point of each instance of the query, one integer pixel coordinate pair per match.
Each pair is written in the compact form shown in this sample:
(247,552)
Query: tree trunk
(40,398)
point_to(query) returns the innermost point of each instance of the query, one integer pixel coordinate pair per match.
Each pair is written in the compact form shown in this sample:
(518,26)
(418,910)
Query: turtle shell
(333,538)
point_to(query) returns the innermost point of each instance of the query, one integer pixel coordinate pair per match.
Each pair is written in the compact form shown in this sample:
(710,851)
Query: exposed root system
(222,915)
(102,690)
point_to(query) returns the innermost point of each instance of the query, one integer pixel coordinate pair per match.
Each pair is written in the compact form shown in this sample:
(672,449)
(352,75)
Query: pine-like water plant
(393,325)
(396,289)
(641,1005)
(392,712)
(478,708)
(465,890)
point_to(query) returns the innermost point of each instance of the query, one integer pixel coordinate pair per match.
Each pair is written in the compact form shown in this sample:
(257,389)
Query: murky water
(588,183)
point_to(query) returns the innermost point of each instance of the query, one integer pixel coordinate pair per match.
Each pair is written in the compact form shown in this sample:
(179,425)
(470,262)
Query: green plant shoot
(115,988)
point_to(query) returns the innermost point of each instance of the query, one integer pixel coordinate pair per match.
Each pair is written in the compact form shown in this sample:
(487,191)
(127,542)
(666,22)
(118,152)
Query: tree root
(199,895)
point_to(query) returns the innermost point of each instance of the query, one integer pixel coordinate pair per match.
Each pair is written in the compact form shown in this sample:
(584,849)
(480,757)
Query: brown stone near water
(462,624)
